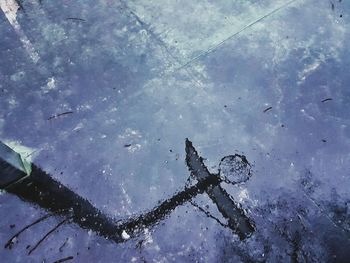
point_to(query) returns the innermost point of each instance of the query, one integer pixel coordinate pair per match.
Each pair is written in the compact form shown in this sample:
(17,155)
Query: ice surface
(138,77)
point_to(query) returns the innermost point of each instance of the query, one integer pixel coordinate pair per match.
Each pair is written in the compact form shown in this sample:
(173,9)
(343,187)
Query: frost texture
(138,79)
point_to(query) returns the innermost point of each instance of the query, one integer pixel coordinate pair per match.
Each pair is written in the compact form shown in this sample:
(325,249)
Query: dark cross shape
(41,189)
(235,166)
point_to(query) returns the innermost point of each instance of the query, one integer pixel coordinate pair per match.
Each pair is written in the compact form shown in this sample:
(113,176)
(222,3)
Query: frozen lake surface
(102,94)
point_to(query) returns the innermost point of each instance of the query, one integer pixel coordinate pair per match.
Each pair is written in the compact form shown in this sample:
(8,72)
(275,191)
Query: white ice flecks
(125,203)
(10,8)
(125,235)
(308,71)
(131,139)
(243,195)
(305,114)
(78,127)
(133,148)
(148,237)
(51,85)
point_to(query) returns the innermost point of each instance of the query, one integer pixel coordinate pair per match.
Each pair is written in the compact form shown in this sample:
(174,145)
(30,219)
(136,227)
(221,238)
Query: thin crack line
(344,230)
(210,50)
(208,214)
(172,58)
(48,233)
(10,241)
(146,26)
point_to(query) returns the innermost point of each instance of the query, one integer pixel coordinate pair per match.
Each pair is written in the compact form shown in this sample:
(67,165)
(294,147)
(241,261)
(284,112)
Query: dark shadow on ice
(39,188)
